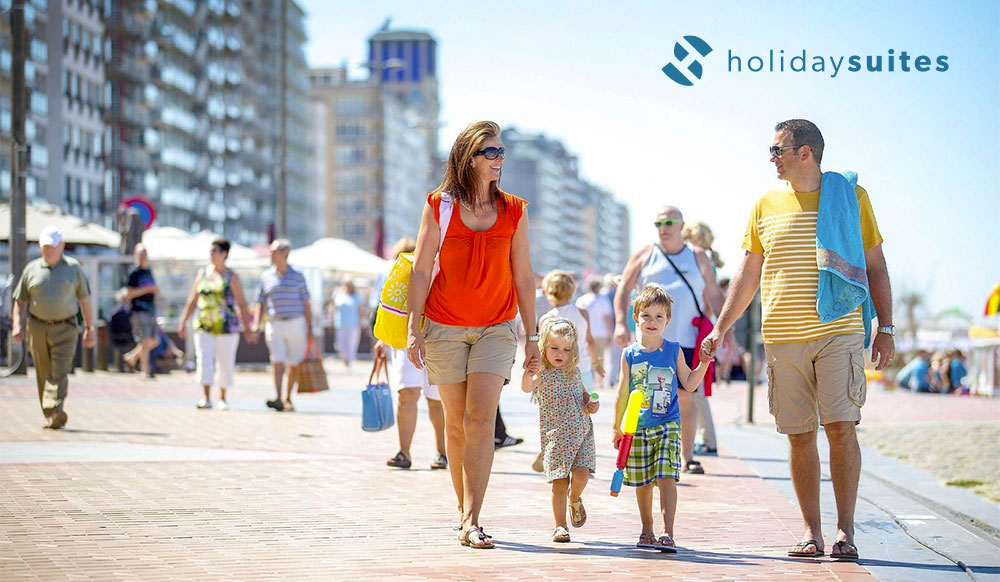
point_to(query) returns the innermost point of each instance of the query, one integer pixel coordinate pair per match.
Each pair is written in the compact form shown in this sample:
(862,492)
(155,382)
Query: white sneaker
(204,403)
(223,405)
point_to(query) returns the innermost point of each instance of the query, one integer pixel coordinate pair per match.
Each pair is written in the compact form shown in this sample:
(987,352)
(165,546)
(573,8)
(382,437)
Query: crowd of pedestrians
(652,333)
(941,372)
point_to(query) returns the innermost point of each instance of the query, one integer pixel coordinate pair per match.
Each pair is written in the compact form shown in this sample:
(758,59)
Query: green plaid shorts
(656,454)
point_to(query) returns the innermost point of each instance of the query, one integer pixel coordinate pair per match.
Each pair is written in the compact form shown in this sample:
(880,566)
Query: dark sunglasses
(776,151)
(667,222)
(491,153)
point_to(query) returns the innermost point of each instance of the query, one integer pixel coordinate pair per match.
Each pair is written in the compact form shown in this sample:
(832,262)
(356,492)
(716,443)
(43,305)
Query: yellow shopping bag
(391,316)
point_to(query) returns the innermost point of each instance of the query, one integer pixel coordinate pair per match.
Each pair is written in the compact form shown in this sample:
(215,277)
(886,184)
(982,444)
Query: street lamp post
(282,202)
(18,159)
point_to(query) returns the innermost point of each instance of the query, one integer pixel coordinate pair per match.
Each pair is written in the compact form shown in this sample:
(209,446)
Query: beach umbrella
(993,301)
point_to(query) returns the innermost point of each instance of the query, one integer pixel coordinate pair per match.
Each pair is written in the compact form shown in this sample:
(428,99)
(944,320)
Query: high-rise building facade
(175,100)
(574,225)
(380,140)
(65,101)
(204,75)
(377,164)
(128,135)
(405,63)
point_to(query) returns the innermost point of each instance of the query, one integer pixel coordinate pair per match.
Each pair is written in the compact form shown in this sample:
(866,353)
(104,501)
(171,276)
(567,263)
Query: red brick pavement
(341,514)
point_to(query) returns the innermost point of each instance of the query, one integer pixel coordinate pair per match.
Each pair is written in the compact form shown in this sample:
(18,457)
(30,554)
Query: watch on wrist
(533,337)
(887,329)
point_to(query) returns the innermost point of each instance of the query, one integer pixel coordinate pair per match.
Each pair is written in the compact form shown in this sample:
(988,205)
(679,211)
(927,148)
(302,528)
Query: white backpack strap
(445,212)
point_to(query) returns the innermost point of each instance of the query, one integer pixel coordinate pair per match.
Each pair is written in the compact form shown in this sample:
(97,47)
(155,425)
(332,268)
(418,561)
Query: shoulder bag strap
(445,211)
(697,304)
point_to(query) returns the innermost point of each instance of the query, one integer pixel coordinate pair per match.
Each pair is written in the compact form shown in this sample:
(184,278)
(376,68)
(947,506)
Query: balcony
(128,113)
(128,69)
(125,24)
(129,157)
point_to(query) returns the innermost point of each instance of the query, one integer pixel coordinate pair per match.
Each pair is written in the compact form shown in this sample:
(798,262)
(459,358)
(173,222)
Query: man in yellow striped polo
(815,368)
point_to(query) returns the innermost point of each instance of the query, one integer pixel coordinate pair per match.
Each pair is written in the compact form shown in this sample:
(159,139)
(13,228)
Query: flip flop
(666,543)
(799,550)
(844,550)
(648,541)
(694,468)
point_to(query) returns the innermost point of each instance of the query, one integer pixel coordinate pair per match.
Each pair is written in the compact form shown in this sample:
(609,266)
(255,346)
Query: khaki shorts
(815,382)
(453,352)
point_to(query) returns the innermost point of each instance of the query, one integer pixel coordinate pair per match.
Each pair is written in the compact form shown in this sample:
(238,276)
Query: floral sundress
(567,432)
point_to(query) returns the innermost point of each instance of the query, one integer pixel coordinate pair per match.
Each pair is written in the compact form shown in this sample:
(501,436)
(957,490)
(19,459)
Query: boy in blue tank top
(654,366)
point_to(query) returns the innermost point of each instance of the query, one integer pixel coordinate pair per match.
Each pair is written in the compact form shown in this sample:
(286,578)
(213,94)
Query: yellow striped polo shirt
(783,229)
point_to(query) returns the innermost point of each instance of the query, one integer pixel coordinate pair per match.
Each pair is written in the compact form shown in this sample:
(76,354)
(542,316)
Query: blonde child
(567,433)
(559,287)
(654,366)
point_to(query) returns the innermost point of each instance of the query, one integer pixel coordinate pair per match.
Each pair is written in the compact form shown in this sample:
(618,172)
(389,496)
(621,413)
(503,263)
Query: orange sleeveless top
(475,286)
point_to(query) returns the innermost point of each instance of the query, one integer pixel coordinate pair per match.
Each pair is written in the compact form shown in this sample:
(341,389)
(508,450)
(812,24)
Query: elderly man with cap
(54,289)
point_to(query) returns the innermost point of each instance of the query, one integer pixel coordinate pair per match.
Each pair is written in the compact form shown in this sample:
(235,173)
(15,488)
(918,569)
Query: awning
(336,254)
(75,230)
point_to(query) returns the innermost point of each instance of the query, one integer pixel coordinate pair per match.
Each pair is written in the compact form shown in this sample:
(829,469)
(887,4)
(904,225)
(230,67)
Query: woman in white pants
(216,292)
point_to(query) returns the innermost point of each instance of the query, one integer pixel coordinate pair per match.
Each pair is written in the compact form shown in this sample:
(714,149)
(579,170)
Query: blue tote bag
(376,400)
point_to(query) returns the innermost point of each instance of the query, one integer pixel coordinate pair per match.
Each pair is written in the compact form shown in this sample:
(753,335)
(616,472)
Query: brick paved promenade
(142,486)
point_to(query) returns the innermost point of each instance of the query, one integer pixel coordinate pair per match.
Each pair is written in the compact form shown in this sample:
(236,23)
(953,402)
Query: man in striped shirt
(815,370)
(284,295)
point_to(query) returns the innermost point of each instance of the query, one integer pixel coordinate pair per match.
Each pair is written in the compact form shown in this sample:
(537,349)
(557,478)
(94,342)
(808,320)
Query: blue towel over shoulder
(840,252)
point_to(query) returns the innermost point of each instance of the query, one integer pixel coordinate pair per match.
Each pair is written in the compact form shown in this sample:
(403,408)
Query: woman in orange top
(461,324)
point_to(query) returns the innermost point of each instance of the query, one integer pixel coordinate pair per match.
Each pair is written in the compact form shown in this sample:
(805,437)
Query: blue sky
(925,145)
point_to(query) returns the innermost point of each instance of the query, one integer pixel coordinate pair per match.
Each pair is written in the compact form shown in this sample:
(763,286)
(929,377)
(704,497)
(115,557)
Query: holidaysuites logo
(799,61)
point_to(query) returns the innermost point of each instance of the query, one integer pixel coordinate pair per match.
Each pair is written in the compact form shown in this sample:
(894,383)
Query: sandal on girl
(475,537)
(560,534)
(400,461)
(694,467)
(577,513)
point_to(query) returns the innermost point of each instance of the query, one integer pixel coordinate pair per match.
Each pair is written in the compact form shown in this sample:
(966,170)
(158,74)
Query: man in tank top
(652,264)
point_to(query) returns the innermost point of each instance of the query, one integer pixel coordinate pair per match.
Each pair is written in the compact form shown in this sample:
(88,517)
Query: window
(351,206)
(39,156)
(5,108)
(39,50)
(350,155)
(350,181)
(350,131)
(352,230)
(39,103)
(351,106)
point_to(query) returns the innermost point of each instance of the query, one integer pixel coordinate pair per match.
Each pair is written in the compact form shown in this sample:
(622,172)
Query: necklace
(468,206)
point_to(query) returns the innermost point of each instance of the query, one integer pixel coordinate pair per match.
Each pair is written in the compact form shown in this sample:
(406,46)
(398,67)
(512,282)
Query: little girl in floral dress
(566,430)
